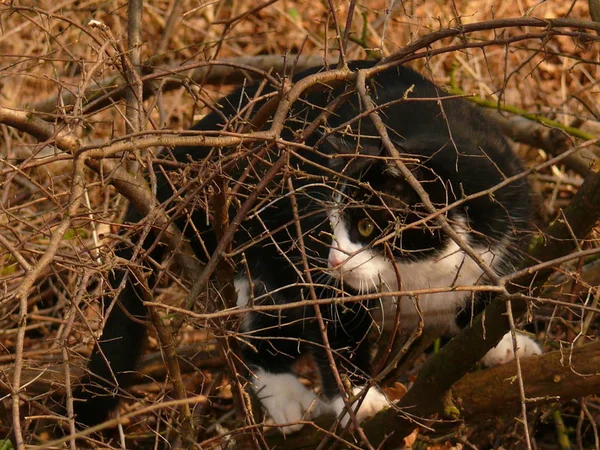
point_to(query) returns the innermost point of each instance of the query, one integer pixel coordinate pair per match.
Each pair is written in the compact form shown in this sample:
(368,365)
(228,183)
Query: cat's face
(351,257)
(369,238)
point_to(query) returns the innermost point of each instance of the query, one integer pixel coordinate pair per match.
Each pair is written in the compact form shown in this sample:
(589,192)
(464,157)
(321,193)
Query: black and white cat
(357,233)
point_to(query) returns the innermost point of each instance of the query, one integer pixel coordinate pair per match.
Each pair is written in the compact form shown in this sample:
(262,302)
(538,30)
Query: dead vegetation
(70,147)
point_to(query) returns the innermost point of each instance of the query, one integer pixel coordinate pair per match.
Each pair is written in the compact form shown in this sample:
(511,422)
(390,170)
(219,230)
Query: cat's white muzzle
(359,267)
(363,270)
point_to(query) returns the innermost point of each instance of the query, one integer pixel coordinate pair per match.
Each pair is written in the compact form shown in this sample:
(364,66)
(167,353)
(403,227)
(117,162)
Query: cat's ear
(415,153)
(351,155)
(413,164)
(392,169)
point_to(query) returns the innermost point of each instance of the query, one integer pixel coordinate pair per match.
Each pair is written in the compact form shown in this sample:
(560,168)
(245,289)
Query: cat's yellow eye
(365,227)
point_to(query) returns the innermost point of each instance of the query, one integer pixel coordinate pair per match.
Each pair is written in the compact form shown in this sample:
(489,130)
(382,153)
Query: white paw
(372,403)
(286,400)
(504,351)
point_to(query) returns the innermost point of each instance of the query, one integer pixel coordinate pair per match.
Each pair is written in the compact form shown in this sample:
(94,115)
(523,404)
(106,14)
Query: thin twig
(513,333)
(77,188)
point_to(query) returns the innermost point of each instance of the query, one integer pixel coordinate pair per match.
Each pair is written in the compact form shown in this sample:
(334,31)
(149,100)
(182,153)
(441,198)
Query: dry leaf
(395,392)
(225,392)
(411,438)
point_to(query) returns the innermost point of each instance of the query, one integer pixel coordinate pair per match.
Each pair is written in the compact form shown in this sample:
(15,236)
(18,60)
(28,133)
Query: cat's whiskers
(383,283)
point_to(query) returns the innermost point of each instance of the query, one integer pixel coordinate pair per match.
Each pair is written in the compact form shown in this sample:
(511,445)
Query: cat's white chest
(436,287)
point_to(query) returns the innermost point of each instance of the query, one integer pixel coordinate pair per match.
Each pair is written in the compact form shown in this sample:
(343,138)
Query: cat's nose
(335,261)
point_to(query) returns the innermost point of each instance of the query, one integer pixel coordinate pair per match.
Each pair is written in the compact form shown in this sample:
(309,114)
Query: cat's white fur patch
(286,399)
(505,352)
(373,402)
(242,289)
(369,271)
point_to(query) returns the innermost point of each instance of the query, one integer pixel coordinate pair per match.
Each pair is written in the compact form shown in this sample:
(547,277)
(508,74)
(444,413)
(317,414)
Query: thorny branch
(320,321)
(577,219)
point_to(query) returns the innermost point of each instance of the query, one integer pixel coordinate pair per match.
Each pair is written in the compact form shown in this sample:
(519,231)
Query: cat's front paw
(504,351)
(373,402)
(286,400)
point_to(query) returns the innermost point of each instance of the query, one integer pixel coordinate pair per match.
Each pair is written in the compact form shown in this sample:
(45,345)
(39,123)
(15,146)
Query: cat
(354,236)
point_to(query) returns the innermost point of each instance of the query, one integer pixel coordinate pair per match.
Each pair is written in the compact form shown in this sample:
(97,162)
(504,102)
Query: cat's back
(459,150)
(414,108)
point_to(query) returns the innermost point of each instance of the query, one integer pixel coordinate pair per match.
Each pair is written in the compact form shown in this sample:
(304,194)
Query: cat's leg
(272,350)
(287,401)
(505,352)
(371,402)
(351,350)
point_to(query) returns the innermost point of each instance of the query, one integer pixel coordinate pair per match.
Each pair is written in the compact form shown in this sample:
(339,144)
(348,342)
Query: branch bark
(552,140)
(555,376)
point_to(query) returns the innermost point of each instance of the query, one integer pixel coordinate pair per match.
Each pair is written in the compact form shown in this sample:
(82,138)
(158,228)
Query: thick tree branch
(28,123)
(552,140)
(555,376)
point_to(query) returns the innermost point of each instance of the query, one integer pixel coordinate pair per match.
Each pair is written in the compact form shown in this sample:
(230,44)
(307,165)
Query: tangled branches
(58,228)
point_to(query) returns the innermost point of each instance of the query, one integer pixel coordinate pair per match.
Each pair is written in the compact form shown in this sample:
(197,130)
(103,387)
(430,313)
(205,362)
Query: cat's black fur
(459,153)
